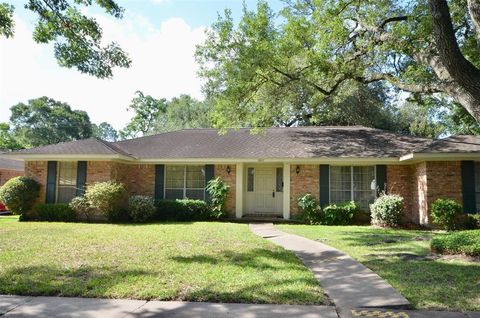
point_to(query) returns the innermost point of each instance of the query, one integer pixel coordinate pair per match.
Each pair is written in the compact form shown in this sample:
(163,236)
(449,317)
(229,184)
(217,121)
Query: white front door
(265,190)
(263,194)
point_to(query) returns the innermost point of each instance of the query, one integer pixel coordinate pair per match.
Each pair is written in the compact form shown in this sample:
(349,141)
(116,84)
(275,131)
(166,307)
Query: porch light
(297,170)
(228,169)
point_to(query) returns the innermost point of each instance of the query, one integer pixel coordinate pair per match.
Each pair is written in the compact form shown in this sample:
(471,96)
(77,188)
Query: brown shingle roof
(9,164)
(91,146)
(297,142)
(272,143)
(453,144)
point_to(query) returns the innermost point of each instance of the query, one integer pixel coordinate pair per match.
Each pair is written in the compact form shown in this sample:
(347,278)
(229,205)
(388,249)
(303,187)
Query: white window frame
(165,188)
(351,179)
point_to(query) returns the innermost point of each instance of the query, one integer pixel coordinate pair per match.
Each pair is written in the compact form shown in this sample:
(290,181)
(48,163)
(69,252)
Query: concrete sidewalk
(348,283)
(63,307)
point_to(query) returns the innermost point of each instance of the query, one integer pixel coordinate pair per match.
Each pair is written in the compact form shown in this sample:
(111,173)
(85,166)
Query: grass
(461,242)
(218,262)
(398,257)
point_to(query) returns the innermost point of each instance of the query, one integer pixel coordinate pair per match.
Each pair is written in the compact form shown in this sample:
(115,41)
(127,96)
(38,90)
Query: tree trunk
(474,10)
(463,79)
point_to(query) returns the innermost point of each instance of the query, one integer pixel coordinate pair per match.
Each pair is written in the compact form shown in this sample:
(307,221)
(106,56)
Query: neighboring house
(10,168)
(268,171)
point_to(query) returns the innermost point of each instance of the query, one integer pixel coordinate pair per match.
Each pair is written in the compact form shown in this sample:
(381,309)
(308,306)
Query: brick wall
(37,170)
(422,183)
(307,181)
(139,178)
(6,175)
(400,181)
(99,171)
(230,179)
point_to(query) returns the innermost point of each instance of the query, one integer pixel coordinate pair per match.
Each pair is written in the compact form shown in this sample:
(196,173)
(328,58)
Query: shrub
(470,221)
(19,194)
(184,210)
(108,199)
(461,242)
(141,208)
(446,214)
(56,212)
(387,210)
(218,191)
(82,207)
(339,214)
(309,209)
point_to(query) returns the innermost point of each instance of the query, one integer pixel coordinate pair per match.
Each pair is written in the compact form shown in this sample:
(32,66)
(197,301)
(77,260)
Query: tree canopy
(104,131)
(154,115)
(44,121)
(286,65)
(77,38)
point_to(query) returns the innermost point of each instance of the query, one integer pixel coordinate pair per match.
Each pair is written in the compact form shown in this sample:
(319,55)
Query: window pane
(363,180)
(175,177)
(67,173)
(66,194)
(250,176)
(195,177)
(195,194)
(340,184)
(279,187)
(173,194)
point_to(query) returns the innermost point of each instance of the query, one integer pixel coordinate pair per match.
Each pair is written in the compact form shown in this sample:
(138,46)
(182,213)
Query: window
(66,181)
(250,179)
(185,182)
(353,184)
(279,180)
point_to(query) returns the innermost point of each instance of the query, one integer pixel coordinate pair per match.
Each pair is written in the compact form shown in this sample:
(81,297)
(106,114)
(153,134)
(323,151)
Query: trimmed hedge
(446,214)
(141,208)
(55,212)
(387,210)
(339,214)
(19,194)
(461,242)
(184,210)
(310,212)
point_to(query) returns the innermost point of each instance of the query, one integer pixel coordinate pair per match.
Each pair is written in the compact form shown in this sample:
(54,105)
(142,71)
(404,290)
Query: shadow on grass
(435,284)
(259,258)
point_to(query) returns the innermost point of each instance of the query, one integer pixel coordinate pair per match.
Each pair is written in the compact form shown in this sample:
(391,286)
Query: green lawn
(396,256)
(219,262)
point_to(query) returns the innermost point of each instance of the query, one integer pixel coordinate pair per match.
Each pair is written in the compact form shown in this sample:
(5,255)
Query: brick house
(268,171)
(10,168)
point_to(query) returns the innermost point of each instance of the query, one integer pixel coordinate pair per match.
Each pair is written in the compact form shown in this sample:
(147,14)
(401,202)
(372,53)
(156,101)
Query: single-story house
(10,168)
(268,171)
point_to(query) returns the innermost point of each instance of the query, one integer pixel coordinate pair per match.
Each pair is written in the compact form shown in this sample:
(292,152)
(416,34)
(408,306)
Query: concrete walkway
(62,307)
(348,283)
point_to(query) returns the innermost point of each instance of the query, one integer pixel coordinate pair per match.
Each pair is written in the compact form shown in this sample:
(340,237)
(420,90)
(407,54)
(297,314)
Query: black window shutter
(324,185)
(468,186)
(51,182)
(159,182)
(81,177)
(209,175)
(381,178)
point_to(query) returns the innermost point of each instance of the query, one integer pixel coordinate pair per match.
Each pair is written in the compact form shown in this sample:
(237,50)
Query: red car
(2,207)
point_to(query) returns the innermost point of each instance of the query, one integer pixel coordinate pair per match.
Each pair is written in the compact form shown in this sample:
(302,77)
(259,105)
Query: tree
(7,139)
(104,131)
(184,112)
(159,115)
(77,38)
(147,109)
(315,46)
(45,121)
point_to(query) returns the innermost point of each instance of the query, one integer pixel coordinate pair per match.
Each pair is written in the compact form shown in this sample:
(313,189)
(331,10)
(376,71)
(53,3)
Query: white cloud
(163,66)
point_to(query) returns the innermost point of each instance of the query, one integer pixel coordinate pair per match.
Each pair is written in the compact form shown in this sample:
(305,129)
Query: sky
(159,35)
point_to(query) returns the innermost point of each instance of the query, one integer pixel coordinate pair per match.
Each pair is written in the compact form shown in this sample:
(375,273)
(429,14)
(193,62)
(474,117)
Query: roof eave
(67,157)
(444,156)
